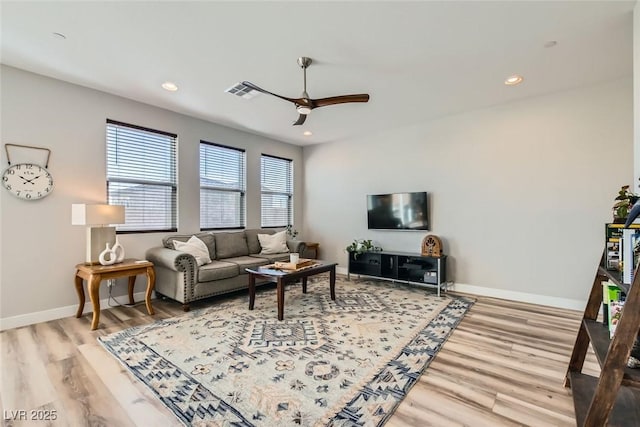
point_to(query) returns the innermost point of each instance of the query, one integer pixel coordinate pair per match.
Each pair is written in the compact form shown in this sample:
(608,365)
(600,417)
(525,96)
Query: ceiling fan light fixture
(303,109)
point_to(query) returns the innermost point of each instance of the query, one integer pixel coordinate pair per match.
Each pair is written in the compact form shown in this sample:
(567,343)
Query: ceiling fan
(304,104)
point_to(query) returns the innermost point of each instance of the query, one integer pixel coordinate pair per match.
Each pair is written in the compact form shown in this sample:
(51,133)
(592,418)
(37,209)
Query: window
(276,178)
(222,189)
(141,175)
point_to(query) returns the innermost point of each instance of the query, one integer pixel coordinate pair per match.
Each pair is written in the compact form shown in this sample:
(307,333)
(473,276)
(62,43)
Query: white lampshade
(82,214)
(95,217)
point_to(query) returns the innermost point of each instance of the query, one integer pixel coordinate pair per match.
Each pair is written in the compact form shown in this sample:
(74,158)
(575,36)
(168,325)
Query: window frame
(173,209)
(290,195)
(242,214)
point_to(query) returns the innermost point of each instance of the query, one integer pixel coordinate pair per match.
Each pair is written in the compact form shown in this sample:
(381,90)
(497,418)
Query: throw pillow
(195,247)
(273,243)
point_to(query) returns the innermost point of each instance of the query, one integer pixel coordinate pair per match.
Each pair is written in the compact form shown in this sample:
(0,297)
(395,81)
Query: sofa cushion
(252,239)
(231,245)
(217,270)
(273,257)
(273,243)
(247,262)
(207,238)
(195,247)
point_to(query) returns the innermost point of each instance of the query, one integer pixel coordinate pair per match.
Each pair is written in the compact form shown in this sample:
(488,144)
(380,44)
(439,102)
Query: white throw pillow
(195,247)
(273,243)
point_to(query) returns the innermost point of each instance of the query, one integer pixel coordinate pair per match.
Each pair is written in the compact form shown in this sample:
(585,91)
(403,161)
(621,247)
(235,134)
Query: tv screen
(398,211)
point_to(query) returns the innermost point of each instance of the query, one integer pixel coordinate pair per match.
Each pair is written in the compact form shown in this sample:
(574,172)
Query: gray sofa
(178,276)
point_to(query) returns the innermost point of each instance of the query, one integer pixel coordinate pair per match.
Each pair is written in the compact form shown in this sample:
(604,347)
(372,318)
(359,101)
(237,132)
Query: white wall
(39,246)
(519,192)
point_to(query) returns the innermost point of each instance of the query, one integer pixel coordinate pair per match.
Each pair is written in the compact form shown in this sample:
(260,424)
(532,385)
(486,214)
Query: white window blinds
(222,187)
(141,175)
(276,178)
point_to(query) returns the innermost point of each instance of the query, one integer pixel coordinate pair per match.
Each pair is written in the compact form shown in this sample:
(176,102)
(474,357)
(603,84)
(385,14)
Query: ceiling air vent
(242,91)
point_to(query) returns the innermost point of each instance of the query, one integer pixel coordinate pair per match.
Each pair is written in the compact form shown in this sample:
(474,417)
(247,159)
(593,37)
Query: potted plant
(292,231)
(361,246)
(624,202)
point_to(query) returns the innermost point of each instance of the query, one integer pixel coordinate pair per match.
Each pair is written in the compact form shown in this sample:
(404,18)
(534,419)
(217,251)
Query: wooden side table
(313,246)
(95,274)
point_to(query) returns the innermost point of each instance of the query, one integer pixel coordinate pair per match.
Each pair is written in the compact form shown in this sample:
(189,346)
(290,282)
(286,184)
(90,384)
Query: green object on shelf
(359,247)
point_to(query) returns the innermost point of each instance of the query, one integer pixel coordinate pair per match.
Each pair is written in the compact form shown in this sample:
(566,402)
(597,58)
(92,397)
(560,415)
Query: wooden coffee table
(282,277)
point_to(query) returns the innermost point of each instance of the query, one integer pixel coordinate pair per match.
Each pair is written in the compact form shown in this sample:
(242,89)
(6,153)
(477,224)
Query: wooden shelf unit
(612,398)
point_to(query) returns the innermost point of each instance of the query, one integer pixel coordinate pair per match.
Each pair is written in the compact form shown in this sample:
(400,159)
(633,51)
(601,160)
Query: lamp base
(97,239)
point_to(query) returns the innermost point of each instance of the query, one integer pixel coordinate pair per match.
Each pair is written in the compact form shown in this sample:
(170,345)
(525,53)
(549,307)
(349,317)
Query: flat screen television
(398,211)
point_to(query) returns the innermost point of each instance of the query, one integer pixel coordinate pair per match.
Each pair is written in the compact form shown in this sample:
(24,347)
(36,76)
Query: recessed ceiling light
(170,86)
(307,133)
(513,80)
(59,35)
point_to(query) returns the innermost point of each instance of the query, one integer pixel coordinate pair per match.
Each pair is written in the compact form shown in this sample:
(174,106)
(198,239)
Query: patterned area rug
(347,362)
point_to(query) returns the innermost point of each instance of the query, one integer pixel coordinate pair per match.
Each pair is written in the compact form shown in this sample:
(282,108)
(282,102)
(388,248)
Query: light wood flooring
(503,366)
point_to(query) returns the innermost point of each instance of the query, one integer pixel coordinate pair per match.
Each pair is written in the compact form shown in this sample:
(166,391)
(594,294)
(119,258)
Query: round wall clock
(27,181)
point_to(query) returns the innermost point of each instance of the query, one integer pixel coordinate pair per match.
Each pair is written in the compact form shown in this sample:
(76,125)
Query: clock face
(27,181)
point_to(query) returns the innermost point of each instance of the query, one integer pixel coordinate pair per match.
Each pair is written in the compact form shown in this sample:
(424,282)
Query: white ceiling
(417,60)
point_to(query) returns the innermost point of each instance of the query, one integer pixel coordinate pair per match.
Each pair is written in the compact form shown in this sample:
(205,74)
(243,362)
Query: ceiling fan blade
(323,102)
(301,119)
(259,89)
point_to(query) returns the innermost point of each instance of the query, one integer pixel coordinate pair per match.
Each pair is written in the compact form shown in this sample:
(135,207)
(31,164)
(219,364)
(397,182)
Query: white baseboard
(557,302)
(571,304)
(58,313)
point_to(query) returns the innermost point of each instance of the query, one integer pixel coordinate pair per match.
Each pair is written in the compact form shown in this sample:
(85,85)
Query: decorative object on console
(359,247)
(97,218)
(108,256)
(27,180)
(118,250)
(432,246)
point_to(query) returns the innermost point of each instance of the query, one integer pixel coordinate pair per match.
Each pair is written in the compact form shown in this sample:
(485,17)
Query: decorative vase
(119,251)
(108,256)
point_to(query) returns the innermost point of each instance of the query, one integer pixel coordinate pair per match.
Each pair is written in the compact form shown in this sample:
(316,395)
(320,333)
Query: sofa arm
(296,246)
(173,260)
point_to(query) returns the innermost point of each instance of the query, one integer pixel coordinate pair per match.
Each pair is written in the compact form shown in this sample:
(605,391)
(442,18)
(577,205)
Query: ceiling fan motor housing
(304,62)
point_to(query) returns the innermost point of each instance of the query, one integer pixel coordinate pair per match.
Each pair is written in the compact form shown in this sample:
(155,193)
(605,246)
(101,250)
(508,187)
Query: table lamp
(98,219)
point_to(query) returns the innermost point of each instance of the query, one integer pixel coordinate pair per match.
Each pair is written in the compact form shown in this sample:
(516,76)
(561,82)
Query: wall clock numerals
(27,181)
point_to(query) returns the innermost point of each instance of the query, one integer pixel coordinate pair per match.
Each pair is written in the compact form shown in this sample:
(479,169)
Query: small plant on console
(361,246)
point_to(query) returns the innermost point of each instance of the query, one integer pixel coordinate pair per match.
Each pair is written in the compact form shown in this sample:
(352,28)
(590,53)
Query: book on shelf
(630,253)
(612,258)
(610,292)
(614,231)
(615,312)
(613,238)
